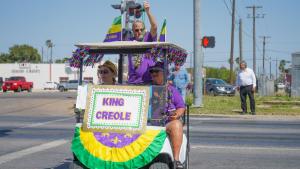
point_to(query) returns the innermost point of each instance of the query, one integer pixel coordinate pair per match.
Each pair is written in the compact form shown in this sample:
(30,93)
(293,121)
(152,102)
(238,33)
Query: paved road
(36,130)
(222,143)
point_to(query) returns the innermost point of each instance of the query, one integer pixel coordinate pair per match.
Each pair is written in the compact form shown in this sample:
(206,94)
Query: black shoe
(243,113)
(253,113)
(178,165)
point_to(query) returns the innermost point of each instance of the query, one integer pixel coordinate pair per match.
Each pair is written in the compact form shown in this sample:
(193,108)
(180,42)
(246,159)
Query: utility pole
(276,69)
(232,42)
(264,52)
(42,59)
(198,58)
(51,62)
(240,40)
(270,67)
(254,40)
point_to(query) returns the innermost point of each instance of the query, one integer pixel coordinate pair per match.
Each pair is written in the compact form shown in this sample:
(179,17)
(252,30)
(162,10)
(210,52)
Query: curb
(247,117)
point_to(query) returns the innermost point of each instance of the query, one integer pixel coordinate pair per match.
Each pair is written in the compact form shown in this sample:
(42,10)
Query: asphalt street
(36,130)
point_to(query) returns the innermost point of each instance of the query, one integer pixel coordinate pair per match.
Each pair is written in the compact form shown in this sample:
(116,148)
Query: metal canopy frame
(126,47)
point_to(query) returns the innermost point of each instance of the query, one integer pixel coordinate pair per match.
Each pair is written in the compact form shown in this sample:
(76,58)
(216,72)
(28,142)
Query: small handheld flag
(163,32)
(115,31)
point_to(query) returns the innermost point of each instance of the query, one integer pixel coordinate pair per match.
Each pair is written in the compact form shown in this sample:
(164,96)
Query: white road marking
(31,150)
(44,123)
(244,148)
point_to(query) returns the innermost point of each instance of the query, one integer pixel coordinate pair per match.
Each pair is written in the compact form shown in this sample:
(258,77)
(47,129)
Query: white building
(41,73)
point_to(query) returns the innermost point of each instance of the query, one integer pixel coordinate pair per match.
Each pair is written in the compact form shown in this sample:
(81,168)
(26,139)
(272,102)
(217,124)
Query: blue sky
(67,22)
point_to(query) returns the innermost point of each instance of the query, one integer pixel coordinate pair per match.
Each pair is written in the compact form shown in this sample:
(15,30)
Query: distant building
(295,74)
(40,73)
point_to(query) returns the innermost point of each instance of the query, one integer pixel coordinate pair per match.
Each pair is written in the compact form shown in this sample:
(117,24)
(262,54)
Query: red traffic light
(208,41)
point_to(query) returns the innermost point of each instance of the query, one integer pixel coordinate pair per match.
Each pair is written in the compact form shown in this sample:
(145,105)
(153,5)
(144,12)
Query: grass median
(224,105)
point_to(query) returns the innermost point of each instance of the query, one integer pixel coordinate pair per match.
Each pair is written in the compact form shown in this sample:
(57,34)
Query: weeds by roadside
(275,105)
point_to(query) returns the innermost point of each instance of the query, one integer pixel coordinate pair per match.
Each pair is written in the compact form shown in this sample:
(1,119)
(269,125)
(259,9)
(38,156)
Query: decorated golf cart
(121,126)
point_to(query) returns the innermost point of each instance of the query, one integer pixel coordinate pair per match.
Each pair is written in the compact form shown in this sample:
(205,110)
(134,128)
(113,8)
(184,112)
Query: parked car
(69,85)
(280,86)
(17,84)
(50,85)
(217,87)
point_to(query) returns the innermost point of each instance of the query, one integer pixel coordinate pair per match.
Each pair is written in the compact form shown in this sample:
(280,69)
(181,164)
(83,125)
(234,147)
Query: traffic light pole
(198,58)
(232,42)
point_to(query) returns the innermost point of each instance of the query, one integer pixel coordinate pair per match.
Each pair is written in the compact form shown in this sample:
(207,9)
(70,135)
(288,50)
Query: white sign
(116,108)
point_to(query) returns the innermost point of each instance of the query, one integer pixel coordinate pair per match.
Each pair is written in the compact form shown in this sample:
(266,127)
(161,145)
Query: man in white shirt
(246,84)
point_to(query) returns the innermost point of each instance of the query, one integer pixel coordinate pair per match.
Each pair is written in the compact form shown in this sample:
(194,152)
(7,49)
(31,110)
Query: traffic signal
(208,41)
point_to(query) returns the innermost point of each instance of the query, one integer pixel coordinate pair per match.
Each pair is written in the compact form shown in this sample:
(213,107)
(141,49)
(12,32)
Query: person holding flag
(138,71)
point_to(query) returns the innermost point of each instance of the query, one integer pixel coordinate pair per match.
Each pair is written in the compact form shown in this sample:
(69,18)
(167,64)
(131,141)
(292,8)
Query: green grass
(231,105)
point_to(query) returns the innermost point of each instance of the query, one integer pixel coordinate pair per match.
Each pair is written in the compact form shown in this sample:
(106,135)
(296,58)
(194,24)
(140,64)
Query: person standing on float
(138,72)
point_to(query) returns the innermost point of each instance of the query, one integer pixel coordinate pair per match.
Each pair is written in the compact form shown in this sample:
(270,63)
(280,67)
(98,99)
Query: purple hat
(159,66)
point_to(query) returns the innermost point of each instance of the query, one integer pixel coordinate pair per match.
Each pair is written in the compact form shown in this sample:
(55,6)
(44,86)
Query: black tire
(30,89)
(159,165)
(61,89)
(76,165)
(187,160)
(4,91)
(19,89)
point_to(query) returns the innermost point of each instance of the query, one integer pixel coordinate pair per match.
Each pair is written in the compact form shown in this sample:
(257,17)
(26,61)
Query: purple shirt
(141,74)
(175,100)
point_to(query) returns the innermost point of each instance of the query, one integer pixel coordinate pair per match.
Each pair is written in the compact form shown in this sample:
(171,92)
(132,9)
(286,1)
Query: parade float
(120,126)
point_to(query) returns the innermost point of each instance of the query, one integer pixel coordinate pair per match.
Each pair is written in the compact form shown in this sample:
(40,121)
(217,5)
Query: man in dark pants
(246,84)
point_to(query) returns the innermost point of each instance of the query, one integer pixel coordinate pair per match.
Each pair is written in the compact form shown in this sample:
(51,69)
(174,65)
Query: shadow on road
(4,132)
(64,165)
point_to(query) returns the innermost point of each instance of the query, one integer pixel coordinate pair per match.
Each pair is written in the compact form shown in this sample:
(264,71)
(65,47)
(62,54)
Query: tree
(50,45)
(64,60)
(282,66)
(4,58)
(21,53)
(220,73)
(237,60)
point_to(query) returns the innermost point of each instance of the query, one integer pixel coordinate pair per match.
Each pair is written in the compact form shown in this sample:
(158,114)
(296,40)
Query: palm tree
(50,45)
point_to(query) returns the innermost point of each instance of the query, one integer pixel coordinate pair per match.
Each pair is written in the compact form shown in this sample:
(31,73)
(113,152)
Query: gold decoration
(115,140)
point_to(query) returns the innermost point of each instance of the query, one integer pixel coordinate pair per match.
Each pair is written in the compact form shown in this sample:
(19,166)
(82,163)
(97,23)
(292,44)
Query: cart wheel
(187,160)
(76,165)
(159,165)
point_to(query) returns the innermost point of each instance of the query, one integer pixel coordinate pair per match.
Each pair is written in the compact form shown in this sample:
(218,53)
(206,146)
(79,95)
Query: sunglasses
(137,30)
(101,72)
(154,71)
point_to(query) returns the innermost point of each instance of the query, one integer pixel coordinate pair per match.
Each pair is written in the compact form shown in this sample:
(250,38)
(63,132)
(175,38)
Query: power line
(229,10)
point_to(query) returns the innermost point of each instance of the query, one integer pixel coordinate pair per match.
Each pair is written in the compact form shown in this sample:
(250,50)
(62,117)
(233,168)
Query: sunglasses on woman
(101,72)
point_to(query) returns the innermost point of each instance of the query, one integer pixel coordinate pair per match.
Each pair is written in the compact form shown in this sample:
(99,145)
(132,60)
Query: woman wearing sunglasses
(107,73)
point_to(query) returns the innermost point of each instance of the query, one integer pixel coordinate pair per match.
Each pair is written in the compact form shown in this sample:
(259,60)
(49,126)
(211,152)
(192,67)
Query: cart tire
(187,160)
(76,165)
(159,165)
